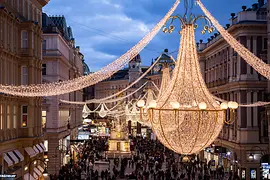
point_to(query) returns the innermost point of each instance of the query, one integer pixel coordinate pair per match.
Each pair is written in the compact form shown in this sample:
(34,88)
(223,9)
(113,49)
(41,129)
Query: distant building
(62,61)
(126,76)
(229,77)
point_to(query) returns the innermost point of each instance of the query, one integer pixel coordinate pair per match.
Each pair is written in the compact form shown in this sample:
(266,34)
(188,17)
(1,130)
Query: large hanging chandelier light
(186,118)
(57,88)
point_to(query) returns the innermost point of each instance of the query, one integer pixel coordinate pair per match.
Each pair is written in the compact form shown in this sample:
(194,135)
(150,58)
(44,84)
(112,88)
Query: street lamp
(44,173)
(251,156)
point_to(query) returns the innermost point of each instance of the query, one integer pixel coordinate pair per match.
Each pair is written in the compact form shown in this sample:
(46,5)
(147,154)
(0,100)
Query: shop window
(24,116)
(8,117)
(14,116)
(44,118)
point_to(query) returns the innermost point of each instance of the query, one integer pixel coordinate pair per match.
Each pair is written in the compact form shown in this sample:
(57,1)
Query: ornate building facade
(20,64)
(229,77)
(62,60)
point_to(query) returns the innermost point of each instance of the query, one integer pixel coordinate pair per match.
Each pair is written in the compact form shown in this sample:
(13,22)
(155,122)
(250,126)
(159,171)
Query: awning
(35,175)
(40,168)
(8,160)
(28,176)
(38,172)
(39,148)
(19,154)
(43,147)
(13,157)
(30,151)
(36,150)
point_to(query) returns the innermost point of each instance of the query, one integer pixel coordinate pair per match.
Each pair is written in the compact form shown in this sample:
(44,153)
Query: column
(255,74)
(249,119)
(255,110)
(248,47)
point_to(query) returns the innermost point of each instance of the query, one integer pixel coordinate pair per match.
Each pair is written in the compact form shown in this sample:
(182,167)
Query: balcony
(51,53)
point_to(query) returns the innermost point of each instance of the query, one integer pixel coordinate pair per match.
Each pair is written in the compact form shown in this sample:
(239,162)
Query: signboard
(243,174)
(265,170)
(253,173)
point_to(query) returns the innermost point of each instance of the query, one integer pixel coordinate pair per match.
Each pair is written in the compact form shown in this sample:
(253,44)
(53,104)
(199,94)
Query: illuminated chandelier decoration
(249,57)
(133,113)
(186,118)
(57,88)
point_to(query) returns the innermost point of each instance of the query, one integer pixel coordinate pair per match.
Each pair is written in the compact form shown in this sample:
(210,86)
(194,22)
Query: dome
(86,69)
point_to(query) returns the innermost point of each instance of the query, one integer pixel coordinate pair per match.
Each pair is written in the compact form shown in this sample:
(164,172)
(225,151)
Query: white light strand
(190,130)
(249,57)
(58,88)
(105,101)
(119,92)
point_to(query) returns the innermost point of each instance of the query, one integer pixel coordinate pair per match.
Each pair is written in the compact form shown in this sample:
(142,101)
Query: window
(14,116)
(265,43)
(44,45)
(44,118)
(24,116)
(44,68)
(24,40)
(8,117)
(24,75)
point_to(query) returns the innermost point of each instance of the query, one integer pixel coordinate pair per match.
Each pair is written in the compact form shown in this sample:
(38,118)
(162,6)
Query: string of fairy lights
(249,57)
(67,86)
(117,93)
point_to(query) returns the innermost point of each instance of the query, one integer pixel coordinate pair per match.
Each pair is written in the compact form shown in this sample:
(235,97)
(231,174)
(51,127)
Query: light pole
(45,172)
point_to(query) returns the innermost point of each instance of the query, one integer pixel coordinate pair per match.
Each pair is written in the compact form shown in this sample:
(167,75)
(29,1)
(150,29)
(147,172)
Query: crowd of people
(150,161)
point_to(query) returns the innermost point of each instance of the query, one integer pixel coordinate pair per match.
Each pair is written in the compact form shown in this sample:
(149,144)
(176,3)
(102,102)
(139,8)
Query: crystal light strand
(58,88)
(249,57)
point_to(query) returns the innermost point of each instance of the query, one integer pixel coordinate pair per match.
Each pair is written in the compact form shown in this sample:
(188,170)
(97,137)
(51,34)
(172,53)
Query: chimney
(260,3)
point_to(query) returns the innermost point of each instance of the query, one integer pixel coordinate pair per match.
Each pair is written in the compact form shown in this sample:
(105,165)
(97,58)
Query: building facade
(62,61)
(229,77)
(21,133)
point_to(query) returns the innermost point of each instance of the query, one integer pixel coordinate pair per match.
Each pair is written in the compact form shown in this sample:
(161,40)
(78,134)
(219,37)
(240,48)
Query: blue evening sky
(105,29)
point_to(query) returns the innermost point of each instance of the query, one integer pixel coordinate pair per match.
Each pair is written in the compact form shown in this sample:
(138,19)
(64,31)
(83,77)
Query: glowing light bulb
(202,105)
(141,103)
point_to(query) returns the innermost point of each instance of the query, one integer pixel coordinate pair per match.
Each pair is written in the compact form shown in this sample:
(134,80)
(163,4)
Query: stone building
(62,61)
(229,77)
(20,64)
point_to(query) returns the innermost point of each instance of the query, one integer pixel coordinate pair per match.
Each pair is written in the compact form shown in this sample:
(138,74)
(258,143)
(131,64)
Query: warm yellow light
(26,168)
(234,105)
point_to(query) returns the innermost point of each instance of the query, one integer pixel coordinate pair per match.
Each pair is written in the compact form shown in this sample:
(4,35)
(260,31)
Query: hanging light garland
(249,57)
(186,118)
(58,88)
